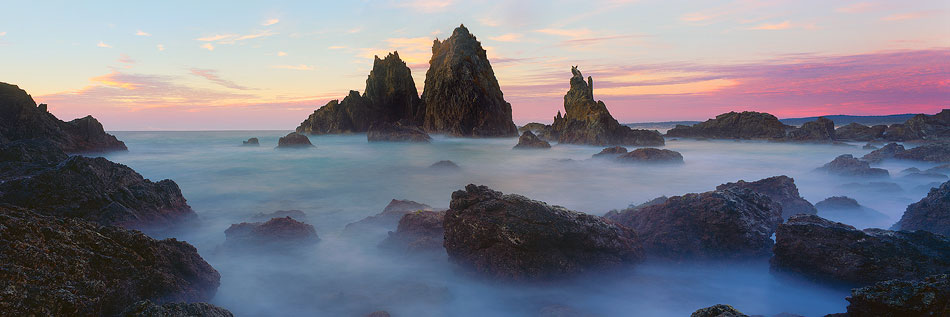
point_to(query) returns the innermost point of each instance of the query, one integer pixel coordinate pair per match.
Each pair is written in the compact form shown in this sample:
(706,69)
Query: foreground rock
(847,210)
(929,296)
(732,223)
(418,231)
(613,151)
(847,165)
(147,308)
(294,140)
(835,252)
(69,267)
(390,132)
(718,310)
(390,215)
(275,234)
(858,132)
(252,142)
(821,130)
(22,119)
(651,155)
(780,189)
(461,94)
(734,125)
(932,213)
(93,189)
(510,237)
(587,121)
(530,141)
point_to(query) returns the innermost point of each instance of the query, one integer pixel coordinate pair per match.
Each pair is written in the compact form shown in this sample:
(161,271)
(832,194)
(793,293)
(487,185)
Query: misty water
(345,179)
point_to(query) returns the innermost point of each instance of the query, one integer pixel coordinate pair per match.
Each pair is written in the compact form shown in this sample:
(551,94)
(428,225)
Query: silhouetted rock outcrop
(390,215)
(847,165)
(587,121)
(147,308)
(393,132)
(22,119)
(934,152)
(294,140)
(718,310)
(613,151)
(252,142)
(651,155)
(932,213)
(821,130)
(900,132)
(461,94)
(530,141)
(935,127)
(418,231)
(734,125)
(511,237)
(390,96)
(780,189)
(70,267)
(275,234)
(831,251)
(731,223)
(929,296)
(858,132)
(93,189)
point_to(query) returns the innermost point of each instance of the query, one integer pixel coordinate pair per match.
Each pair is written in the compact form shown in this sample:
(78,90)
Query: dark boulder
(886,152)
(275,234)
(780,189)
(835,252)
(418,231)
(511,237)
(147,308)
(294,140)
(651,155)
(869,146)
(587,121)
(445,165)
(935,127)
(543,131)
(929,296)
(734,125)
(22,119)
(56,266)
(718,310)
(27,157)
(530,141)
(932,213)
(847,165)
(934,152)
(390,215)
(252,142)
(461,95)
(858,132)
(821,130)
(613,151)
(733,223)
(393,132)
(847,210)
(900,132)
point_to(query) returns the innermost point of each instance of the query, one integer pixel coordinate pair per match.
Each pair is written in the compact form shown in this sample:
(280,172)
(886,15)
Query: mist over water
(345,179)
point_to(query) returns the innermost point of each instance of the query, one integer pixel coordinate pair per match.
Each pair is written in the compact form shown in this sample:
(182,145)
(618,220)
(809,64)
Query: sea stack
(587,121)
(461,95)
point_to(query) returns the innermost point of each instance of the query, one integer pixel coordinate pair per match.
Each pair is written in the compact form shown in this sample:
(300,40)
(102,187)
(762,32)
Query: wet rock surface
(613,151)
(886,152)
(391,132)
(932,213)
(68,266)
(929,296)
(718,310)
(780,189)
(294,140)
(651,155)
(859,132)
(734,125)
(847,165)
(829,251)
(820,130)
(462,96)
(274,234)
(418,231)
(513,238)
(587,121)
(147,308)
(530,141)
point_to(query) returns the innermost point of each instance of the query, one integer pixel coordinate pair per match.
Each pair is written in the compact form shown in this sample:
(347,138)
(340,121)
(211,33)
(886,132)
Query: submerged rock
(613,151)
(252,142)
(445,165)
(71,267)
(835,252)
(932,213)
(734,125)
(294,140)
(886,152)
(511,237)
(731,223)
(587,121)
(780,189)
(929,296)
(418,231)
(858,132)
(651,155)
(718,310)
(847,210)
(293,213)
(390,132)
(847,165)
(543,131)
(22,119)
(390,215)
(275,234)
(461,94)
(822,130)
(147,308)
(530,141)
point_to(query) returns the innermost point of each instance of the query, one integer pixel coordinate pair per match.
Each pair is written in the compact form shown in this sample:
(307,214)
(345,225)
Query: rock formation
(445,165)
(847,210)
(935,127)
(461,94)
(147,308)
(292,213)
(886,152)
(392,132)
(929,296)
(847,165)
(613,151)
(390,96)
(780,189)
(539,129)
(275,234)
(71,267)
(651,155)
(252,142)
(718,310)
(418,231)
(821,130)
(22,119)
(734,125)
(831,251)
(932,213)
(530,141)
(511,237)
(587,121)
(294,140)
(732,223)
(934,152)
(93,189)
(858,132)
(390,215)
(900,132)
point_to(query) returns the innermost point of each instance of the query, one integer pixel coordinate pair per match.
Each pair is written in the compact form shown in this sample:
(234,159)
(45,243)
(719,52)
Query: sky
(242,65)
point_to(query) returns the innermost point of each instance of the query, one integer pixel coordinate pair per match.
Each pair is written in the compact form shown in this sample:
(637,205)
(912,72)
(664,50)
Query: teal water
(344,179)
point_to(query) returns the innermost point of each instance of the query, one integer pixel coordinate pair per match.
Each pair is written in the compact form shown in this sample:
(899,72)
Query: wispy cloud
(337,47)
(565,32)
(270,22)
(103,44)
(354,30)
(281,53)
(4,33)
(903,16)
(207,46)
(492,22)
(773,26)
(142,33)
(293,67)
(160,47)
(427,6)
(228,39)
(216,37)
(125,59)
(212,75)
(510,37)
(857,7)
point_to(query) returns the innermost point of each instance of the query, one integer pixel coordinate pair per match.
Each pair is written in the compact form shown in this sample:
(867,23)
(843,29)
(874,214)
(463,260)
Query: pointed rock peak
(461,31)
(580,87)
